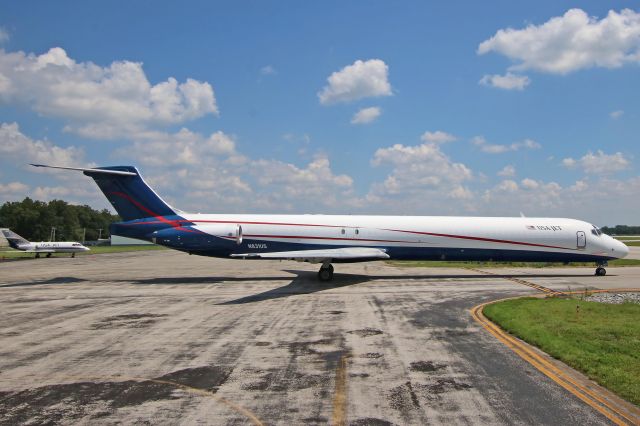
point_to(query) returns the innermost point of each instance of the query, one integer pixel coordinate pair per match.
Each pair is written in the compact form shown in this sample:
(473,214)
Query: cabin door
(582,239)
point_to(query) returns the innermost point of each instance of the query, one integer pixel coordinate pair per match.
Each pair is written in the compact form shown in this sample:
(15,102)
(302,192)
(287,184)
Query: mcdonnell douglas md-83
(19,243)
(327,239)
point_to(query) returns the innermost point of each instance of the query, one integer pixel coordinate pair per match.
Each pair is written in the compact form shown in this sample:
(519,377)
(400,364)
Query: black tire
(325,274)
(600,271)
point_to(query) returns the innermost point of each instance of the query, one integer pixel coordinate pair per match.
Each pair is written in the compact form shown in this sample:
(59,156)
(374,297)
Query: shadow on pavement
(305,282)
(57,280)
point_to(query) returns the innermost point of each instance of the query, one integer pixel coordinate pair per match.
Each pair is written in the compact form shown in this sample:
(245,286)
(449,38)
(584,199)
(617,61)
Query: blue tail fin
(15,240)
(128,193)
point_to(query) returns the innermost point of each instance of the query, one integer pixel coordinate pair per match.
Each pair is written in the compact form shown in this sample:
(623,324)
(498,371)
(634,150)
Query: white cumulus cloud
(421,175)
(598,163)
(481,142)
(206,173)
(507,171)
(362,79)
(508,81)
(4,35)
(100,102)
(12,189)
(437,137)
(16,146)
(182,148)
(268,70)
(528,183)
(616,114)
(366,115)
(571,42)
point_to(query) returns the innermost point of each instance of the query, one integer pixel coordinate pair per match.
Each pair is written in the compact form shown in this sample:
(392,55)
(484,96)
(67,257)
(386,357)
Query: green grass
(601,340)
(8,253)
(632,243)
(118,249)
(627,238)
(455,264)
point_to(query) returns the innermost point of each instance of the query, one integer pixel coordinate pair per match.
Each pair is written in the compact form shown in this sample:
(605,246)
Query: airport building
(117,240)
(3,240)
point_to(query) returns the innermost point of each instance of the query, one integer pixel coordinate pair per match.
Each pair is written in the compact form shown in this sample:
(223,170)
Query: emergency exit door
(582,239)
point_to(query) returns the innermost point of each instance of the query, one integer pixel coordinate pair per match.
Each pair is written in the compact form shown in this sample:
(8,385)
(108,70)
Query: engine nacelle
(223,230)
(201,237)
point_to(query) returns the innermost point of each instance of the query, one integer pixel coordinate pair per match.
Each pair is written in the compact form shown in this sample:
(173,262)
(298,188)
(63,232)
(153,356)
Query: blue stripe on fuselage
(177,233)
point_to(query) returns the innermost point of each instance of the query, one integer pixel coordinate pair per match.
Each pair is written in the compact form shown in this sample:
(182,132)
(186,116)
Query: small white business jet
(48,248)
(327,239)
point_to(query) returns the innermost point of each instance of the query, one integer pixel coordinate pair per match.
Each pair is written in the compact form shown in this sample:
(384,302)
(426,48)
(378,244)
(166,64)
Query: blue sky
(457,108)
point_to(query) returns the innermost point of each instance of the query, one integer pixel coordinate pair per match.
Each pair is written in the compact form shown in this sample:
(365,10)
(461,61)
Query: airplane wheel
(37,255)
(48,254)
(600,271)
(73,255)
(325,273)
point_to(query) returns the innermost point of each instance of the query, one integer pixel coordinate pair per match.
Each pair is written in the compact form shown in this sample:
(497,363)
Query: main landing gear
(600,271)
(326,272)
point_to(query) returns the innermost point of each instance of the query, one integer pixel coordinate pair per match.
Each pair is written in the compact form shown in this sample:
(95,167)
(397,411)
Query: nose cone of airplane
(622,249)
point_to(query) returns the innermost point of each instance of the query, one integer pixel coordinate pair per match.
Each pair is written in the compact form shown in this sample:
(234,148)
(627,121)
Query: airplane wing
(317,256)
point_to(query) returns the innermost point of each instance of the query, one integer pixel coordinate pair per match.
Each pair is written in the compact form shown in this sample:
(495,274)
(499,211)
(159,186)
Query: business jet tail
(127,192)
(15,240)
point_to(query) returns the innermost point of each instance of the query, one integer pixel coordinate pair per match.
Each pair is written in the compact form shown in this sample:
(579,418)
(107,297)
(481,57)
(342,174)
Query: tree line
(621,230)
(34,220)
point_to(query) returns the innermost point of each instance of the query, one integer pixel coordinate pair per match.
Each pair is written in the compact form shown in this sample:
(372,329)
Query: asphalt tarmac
(166,338)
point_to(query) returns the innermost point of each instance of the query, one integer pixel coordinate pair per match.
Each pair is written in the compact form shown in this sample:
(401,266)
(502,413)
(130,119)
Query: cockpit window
(596,231)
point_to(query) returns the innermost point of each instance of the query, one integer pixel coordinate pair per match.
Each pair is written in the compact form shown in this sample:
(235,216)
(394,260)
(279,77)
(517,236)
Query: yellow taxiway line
(611,406)
(340,394)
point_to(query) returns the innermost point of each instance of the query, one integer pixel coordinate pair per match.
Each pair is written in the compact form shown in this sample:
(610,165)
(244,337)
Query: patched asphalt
(163,337)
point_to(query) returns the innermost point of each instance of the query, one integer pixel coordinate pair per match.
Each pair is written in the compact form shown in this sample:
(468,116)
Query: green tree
(34,219)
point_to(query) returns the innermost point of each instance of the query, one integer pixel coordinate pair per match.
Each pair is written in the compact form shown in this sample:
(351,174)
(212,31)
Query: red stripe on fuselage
(434,234)
(491,240)
(301,237)
(249,223)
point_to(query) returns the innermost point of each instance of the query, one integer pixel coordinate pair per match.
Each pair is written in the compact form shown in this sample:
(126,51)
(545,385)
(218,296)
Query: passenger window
(343,231)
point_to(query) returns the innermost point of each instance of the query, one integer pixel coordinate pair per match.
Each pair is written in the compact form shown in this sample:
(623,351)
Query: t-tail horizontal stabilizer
(125,189)
(95,170)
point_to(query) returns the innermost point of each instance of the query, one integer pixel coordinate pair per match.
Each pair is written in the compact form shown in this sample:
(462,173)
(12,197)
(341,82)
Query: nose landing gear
(326,272)
(600,271)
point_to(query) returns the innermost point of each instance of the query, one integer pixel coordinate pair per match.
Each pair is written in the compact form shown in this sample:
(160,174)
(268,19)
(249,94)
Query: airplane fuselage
(330,239)
(401,237)
(52,247)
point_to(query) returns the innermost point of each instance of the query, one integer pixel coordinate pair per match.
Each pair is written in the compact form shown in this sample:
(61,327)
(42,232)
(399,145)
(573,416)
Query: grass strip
(10,254)
(601,340)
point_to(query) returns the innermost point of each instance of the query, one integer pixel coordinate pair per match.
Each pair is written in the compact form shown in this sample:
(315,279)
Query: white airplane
(48,248)
(327,239)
